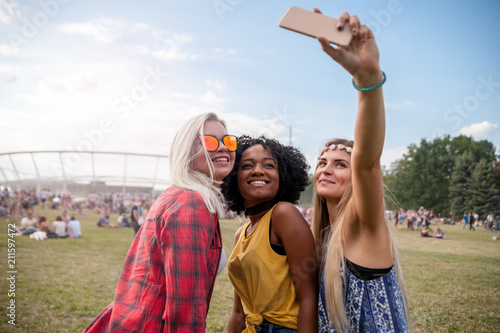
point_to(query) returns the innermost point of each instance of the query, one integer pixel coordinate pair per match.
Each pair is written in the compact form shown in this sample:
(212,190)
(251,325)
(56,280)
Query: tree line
(448,175)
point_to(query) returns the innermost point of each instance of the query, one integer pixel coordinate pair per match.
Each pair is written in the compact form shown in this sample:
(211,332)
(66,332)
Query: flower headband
(333,147)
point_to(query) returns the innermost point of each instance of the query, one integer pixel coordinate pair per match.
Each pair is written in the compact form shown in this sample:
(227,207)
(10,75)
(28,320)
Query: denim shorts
(268,327)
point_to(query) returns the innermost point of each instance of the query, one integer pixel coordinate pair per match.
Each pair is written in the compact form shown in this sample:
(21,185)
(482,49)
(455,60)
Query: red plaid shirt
(168,276)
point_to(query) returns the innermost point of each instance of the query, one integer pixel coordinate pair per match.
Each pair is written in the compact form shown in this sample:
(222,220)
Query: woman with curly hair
(361,288)
(273,263)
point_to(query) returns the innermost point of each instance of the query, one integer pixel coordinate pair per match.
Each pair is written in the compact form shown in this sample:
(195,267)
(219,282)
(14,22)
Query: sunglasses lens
(209,142)
(230,142)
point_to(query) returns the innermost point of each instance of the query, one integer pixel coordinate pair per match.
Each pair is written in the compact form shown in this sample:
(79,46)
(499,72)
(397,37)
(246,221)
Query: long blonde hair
(330,242)
(182,155)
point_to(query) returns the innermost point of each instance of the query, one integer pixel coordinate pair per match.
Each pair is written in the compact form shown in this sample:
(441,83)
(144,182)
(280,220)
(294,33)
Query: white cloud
(480,130)
(168,49)
(9,69)
(139,26)
(216,84)
(245,124)
(170,53)
(182,38)
(161,44)
(6,11)
(82,82)
(7,50)
(11,79)
(102,30)
(391,155)
(210,98)
(140,49)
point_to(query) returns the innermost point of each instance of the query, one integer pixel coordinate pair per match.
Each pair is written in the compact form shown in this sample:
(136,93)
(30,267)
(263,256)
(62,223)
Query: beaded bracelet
(372,87)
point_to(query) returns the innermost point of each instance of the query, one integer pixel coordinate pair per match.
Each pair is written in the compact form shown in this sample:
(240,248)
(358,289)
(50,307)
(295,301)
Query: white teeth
(258,182)
(221,159)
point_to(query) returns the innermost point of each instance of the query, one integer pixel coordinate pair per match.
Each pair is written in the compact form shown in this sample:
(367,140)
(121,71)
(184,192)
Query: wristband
(372,87)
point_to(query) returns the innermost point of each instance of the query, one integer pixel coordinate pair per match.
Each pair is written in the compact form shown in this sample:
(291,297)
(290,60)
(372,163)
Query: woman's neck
(332,207)
(254,219)
(255,213)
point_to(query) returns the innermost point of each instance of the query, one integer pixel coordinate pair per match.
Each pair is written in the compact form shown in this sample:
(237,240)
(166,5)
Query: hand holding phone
(315,25)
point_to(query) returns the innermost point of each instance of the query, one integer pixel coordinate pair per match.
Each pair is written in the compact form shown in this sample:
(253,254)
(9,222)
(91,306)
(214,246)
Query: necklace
(259,208)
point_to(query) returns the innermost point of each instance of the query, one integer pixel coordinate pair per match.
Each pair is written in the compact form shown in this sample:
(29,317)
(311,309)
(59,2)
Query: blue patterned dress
(371,306)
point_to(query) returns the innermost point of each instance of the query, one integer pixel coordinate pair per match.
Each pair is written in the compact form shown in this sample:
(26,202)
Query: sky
(124,75)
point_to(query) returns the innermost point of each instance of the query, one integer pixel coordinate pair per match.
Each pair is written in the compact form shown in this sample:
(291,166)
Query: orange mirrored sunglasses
(211,143)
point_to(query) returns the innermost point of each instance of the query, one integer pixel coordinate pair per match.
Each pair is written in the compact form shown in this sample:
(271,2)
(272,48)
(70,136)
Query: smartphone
(315,25)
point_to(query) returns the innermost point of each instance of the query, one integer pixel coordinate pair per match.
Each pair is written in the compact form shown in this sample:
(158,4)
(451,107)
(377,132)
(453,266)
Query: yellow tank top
(262,280)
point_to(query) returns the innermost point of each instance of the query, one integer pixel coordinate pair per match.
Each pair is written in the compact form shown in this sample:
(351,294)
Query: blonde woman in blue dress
(361,285)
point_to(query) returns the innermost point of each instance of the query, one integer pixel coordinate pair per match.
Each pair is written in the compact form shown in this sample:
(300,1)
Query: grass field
(61,284)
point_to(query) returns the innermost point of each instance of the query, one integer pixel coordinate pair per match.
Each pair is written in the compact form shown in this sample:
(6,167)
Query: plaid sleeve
(168,275)
(186,242)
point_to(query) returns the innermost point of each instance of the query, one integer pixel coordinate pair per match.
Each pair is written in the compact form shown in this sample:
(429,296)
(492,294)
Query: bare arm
(367,231)
(237,319)
(236,322)
(293,232)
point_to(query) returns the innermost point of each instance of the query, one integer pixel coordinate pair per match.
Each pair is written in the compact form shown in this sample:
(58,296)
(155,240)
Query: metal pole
(3,175)
(38,186)
(154,177)
(64,174)
(17,174)
(93,170)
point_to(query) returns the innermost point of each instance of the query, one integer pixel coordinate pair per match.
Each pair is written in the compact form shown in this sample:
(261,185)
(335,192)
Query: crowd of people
(422,220)
(20,206)
(16,204)
(39,228)
(414,219)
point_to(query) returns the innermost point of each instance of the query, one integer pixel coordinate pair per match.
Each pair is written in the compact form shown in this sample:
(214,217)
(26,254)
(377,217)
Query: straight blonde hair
(330,242)
(183,153)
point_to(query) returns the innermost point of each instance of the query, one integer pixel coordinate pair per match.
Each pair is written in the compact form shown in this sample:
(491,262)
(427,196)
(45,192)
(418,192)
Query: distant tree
(460,185)
(496,172)
(483,197)
(307,195)
(423,176)
(391,201)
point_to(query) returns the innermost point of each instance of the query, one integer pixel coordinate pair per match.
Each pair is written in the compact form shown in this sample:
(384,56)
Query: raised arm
(361,59)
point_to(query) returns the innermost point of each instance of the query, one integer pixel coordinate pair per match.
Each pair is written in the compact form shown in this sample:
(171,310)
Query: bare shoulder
(238,233)
(285,212)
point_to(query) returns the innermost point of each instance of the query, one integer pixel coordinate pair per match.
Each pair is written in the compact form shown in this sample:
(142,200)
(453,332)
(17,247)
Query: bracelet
(372,87)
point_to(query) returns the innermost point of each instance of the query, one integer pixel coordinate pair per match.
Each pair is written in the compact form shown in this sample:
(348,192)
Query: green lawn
(61,284)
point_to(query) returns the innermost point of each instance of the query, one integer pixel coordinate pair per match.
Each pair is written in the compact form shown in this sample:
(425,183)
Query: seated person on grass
(43,225)
(28,221)
(28,226)
(104,222)
(439,234)
(425,232)
(123,222)
(74,229)
(59,227)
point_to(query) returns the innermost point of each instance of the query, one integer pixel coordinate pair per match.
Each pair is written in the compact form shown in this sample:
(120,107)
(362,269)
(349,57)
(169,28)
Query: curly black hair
(292,169)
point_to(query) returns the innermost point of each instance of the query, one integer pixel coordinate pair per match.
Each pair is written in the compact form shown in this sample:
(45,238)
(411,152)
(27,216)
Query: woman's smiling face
(258,175)
(222,159)
(333,173)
